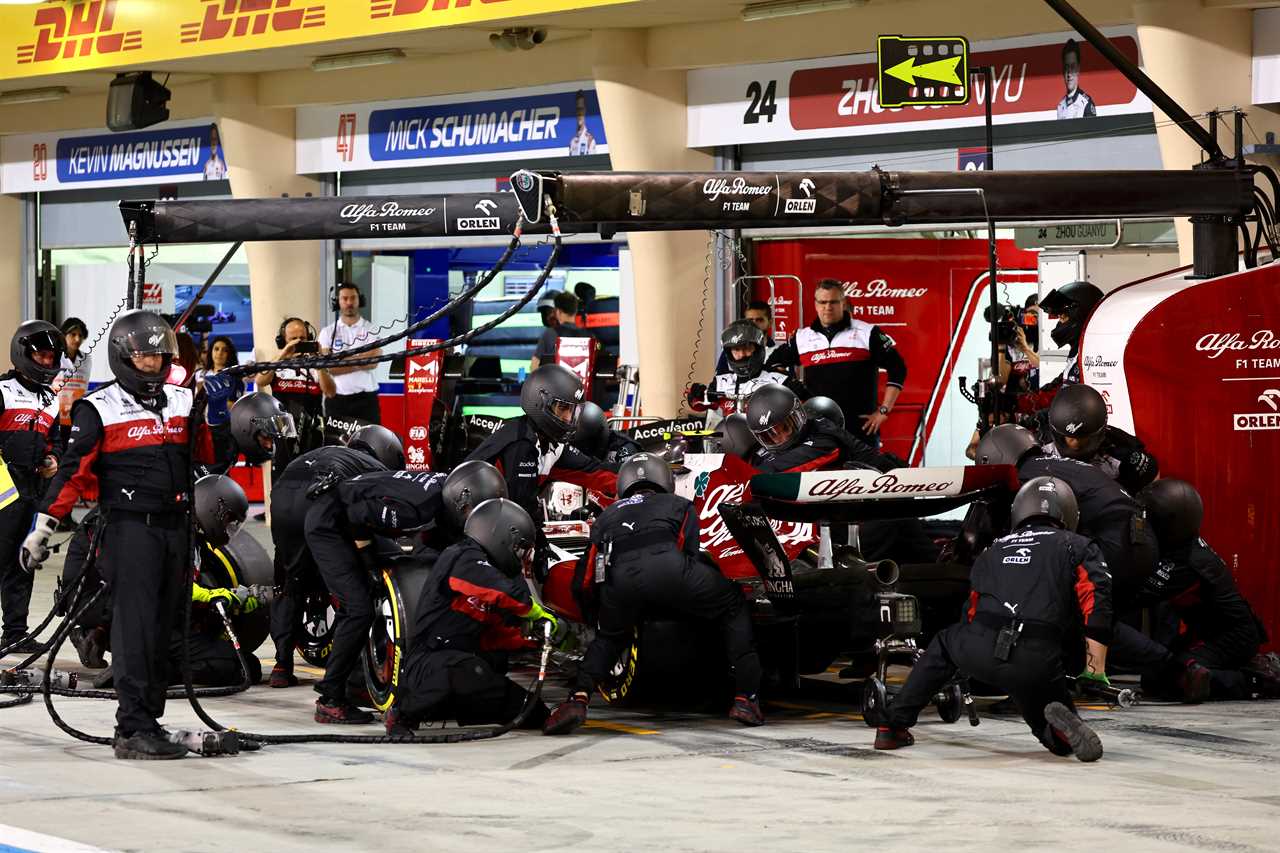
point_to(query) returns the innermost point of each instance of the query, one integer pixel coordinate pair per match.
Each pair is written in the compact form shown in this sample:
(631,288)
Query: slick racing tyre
(396,599)
(242,562)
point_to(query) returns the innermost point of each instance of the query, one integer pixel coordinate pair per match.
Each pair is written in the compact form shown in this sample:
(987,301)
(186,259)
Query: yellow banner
(59,36)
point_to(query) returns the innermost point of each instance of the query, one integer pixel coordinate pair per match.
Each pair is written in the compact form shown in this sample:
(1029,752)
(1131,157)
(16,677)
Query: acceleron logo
(391,8)
(239,18)
(69,30)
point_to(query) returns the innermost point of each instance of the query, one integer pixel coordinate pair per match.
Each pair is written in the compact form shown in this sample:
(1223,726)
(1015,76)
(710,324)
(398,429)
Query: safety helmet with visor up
(1071,304)
(505,532)
(258,421)
(552,398)
(744,348)
(776,417)
(1045,499)
(36,351)
(141,347)
(220,508)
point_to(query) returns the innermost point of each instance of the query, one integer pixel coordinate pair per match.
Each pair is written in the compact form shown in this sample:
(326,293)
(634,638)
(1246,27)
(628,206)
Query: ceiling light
(524,38)
(34,96)
(783,8)
(361,59)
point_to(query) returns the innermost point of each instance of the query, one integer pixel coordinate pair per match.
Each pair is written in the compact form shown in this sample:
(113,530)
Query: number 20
(763,102)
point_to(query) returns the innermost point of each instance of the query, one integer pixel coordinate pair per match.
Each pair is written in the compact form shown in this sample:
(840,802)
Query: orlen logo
(68,30)
(346,141)
(40,162)
(236,18)
(389,8)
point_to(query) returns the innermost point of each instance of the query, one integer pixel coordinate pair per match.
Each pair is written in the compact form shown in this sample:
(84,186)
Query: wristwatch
(884,410)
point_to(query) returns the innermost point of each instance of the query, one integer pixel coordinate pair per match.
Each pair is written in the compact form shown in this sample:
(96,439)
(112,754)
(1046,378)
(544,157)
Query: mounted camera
(1005,319)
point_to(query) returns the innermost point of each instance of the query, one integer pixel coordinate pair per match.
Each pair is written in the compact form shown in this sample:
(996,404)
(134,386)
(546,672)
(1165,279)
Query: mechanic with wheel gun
(1079,429)
(477,606)
(1040,601)
(370,448)
(135,438)
(28,425)
(645,556)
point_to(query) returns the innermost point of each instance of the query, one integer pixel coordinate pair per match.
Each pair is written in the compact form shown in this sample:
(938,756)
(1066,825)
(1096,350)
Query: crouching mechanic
(596,439)
(644,557)
(371,448)
(477,608)
(1216,655)
(792,441)
(1033,592)
(134,437)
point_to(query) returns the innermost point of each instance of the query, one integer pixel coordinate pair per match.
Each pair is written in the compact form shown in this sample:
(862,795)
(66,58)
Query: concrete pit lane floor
(1173,778)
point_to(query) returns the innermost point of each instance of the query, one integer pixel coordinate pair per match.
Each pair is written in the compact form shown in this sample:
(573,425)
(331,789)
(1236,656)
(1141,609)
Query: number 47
(763,102)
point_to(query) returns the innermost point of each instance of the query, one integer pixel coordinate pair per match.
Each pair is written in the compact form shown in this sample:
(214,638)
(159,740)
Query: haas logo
(83,28)
(1270,397)
(236,18)
(486,206)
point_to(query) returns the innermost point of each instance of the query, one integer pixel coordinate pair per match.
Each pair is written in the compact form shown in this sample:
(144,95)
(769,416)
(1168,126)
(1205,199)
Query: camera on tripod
(1005,320)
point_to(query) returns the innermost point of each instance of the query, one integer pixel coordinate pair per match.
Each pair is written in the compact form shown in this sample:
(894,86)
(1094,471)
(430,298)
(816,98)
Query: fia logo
(40,162)
(237,18)
(346,139)
(68,30)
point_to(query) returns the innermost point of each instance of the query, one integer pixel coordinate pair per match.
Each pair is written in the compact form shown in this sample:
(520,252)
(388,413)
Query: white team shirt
(354,335)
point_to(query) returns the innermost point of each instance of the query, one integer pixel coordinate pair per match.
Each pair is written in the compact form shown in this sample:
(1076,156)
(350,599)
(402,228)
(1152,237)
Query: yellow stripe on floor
(620,727)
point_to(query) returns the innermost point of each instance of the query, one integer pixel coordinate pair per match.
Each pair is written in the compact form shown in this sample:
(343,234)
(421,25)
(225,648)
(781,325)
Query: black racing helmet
(505,532)
(220,508)
(550,389)
(259,416)
(736,437)
(1006,444)
(776,417)
(826,408)
(1073,303)
(32,337)
(1045,499)
(741,333)
(645,469)
(469,485)
(137,333)
(592,429)
(380,443)
(1175,511)
(1078,412)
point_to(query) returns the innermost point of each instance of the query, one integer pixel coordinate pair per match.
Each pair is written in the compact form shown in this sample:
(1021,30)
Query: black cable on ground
(55,644)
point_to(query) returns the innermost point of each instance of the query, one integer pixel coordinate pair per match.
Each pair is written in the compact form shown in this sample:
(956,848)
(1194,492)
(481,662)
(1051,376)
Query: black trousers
(461,686)
(1160,665)
(362,406)
(1033,677)
(214,662)
(349,583)
(15,584)
(295,568)
(145,560)
(668,581)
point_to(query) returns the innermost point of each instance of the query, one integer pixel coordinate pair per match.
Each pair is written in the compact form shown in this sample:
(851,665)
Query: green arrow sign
(922,70)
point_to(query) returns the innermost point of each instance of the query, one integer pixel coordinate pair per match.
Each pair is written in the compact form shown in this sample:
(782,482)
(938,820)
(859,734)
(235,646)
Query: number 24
(763,102)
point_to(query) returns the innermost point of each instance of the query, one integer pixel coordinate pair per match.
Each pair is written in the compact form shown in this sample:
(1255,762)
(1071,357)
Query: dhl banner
(58,36)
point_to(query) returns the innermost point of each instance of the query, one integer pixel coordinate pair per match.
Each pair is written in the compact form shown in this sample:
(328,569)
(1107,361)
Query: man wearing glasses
(1074,104)
(842,359)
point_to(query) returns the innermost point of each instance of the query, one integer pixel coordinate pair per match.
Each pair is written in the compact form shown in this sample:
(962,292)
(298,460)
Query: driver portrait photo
(215,168)
(583,142)
(1075,103)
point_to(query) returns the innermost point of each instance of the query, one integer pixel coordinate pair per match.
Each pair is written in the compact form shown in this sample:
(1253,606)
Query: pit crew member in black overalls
(477,607)
(372,448)
(1040,601)
(1215,654)
(28,425)
(595,438)
(1079,430)
(644,557)
(134,437)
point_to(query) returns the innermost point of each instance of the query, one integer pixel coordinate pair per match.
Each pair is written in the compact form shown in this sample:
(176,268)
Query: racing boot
(281,677)
(340,712)
(1193,682)
(567,716)
(746,710)
(89,646)
(398,723)
(154,745)
(889,737)
(24,646)
(1067,726)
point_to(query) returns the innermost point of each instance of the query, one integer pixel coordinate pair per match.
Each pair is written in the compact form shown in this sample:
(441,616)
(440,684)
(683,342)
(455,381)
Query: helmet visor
(565,411)
(784,432)
(44,342)
(156,339)
(276,426)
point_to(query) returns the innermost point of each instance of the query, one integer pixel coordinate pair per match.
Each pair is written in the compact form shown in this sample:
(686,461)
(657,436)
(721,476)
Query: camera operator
(300,390)
(1019,361)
